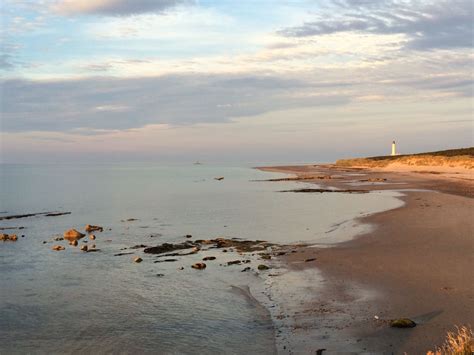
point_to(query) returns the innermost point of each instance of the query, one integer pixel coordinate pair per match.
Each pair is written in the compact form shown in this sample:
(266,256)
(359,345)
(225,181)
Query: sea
(73,302)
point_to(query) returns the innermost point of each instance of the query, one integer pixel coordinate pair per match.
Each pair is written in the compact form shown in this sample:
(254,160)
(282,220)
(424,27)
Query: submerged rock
(246,269)
(73,234)
(91,228)
(199,266)
(262,267)
(234,262)
(167,247)
(402,323)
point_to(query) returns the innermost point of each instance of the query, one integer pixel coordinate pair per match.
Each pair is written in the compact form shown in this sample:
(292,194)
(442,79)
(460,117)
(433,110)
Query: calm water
(75,302)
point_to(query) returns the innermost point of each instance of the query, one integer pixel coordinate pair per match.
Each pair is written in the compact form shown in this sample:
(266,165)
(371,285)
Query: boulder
(262,267)
(58,247)
(90,228)
(137,259)
(199,266)
(73,234)
(402,323)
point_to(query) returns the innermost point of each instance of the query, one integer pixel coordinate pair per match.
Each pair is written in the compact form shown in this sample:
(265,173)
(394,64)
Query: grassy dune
(455,158)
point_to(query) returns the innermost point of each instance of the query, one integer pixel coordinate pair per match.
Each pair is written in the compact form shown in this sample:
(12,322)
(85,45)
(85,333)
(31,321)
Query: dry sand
(418,262)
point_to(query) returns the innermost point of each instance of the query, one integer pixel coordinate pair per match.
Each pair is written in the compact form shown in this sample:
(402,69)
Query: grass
(463,157)
(460,342)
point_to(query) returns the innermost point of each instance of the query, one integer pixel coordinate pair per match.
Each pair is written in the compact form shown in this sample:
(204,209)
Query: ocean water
(76,302)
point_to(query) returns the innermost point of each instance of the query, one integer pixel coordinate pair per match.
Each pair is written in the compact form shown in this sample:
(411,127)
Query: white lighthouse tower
(394,149)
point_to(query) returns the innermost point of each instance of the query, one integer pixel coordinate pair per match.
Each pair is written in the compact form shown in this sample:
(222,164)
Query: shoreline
(405,267)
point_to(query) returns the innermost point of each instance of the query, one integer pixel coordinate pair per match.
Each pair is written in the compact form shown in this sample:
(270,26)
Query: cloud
(104,103)
(115,7)
(436,24)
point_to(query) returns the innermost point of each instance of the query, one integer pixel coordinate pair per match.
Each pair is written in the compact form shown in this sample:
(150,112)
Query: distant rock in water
(137,259)
(90,228)
(92,236)
(402,323)
(219,178)
(7,237)
(58,247)
(207,258)
(199,266)
(73,234)
(262,267)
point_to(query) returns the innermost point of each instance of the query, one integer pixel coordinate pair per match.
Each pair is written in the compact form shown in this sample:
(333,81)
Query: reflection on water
(71,301)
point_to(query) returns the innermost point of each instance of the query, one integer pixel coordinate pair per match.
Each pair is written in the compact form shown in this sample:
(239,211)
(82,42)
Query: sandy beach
(416,262)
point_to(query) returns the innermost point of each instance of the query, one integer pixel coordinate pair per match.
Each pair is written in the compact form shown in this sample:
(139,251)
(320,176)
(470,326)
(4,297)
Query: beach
(416,263)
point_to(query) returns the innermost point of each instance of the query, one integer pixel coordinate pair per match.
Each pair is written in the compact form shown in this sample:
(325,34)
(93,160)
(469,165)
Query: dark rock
(73,243)
(235,262)
(91,228)
(265,256)
(207,258)
(160,275)
(308,260)
(92,236)
(220,178)
(137,259)
(402,323)
(188,236)
(309,190)
(58,247)
(139,246)
(166,260)
(246,269)
(84,248)
(263,267)
(120,254)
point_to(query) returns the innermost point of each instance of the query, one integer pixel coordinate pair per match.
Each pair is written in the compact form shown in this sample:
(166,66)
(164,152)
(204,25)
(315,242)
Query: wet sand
(417,262)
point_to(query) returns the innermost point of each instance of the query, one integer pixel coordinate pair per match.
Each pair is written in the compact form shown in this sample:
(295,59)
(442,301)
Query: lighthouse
(394,150)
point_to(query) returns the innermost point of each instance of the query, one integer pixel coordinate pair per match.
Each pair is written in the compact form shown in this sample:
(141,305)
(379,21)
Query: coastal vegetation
(459,158)
(460,342)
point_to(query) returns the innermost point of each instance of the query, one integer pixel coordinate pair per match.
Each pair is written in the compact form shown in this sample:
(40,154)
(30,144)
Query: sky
(233,81)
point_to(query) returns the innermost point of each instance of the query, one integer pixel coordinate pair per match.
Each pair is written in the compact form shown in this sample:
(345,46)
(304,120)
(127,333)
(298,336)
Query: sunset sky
(233,81)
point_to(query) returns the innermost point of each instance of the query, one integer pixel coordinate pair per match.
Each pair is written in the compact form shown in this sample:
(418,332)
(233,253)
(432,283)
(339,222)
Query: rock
(199,266)
(90,228)
(308,260)
(73,234)
(219,178)
(167,247)
(402,323)
(137,259)
(84,248)
(188,236)
(92,246)
(262,267)
(92,236)
(265,256)
(209,258)
(235,262)
(44,242)
(246,269)
(58,239)
(73,243)
(58,247)
(6,237)
(160,275)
